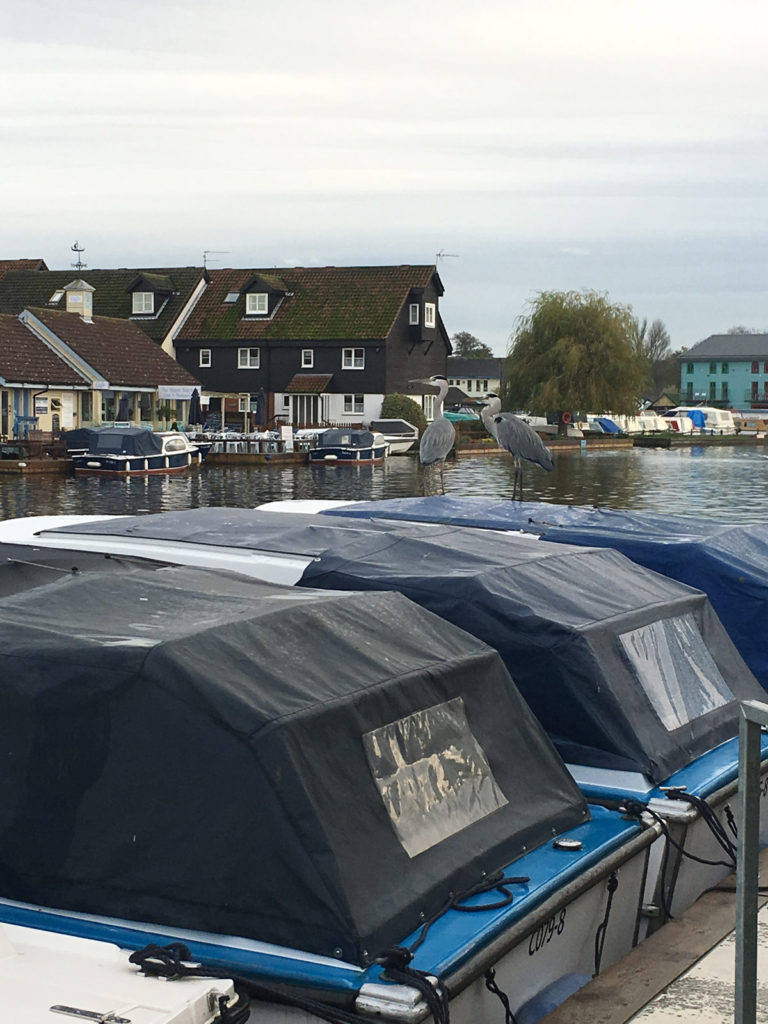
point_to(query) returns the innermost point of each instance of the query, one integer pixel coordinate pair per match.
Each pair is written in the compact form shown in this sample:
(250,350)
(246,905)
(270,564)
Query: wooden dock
(60,467)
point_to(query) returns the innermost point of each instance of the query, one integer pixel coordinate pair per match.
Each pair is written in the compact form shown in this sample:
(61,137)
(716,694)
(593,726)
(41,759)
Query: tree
(401,407)
(652,345)
(741,329)
(574,351)
(470,347)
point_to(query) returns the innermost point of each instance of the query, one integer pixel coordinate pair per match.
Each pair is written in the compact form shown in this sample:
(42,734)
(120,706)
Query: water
(717,483)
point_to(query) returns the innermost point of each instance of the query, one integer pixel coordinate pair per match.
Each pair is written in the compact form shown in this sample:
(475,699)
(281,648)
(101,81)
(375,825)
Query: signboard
(41,406)
(175,392)
(101,385)
(287,435)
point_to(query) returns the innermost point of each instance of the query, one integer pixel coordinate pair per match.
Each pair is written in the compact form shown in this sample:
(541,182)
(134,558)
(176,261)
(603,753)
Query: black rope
(711,819)
(396,963)
(490,984)
(731,821)
(602,928)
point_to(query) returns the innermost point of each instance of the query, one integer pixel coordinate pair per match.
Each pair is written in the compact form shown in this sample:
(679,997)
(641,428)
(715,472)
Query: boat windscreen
(308,768)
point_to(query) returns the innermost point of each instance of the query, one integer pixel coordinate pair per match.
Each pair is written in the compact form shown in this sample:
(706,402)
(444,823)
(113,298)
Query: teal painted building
(726,370)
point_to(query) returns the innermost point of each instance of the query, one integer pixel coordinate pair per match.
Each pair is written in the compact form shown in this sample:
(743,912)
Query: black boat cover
(337,437)
(623,667)
(24,567)
(114,441)
(308,768)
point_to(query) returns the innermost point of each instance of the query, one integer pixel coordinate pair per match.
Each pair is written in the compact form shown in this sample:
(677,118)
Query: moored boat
(131,451)
(254,771)
(357,447)
(400,435)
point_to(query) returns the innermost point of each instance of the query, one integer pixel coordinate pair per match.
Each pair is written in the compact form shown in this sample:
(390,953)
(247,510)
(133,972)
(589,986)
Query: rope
(602,928)
(490,984)
(396,963)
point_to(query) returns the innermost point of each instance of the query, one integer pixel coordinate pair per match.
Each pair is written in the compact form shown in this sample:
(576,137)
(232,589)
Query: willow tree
(574,351)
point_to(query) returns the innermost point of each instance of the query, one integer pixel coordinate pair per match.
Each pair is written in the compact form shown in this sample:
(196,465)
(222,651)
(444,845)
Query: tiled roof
(8,265)
(24,359)
(117,349)
(323,303)
(458,366)
(20,290)
(308,383)
(728,346)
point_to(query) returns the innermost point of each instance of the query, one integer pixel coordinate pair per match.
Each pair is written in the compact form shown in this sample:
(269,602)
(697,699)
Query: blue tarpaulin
(698,418)
(608,425)
(728,562)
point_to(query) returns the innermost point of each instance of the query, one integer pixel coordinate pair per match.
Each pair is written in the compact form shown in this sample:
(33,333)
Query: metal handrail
(753,718)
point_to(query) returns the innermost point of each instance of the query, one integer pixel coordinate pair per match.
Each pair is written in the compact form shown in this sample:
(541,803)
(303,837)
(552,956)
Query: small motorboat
(400,435)
(131,451)
(355,447)
(279,787)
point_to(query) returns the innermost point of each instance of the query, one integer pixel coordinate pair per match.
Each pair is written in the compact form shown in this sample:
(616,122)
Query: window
(765,367)
(712,391)
(205,357)
(248,358)
(56,297)
(353,359)
(256,303)
(87,305)
(143,302)
(676,670)
(713,368)
(765,388)
(286,401)
(429,314)
(724,368)
(243,403)
(175,444)
(756,366)
(690,367)
(428,405)
(724,391)
(232,297)
(353,403)
(86,406)
(307,358)
(413,313)
(754,390)
(485,385)
(689,391)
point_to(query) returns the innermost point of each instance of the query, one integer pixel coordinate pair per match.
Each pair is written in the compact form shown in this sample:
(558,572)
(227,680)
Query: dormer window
(256,303)
(56,297)
(413,313)
(143,302)
(429,314)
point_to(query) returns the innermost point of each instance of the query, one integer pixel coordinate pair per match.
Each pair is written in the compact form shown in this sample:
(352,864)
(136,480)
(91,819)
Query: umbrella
(195,410)
(259,410)
(123,411)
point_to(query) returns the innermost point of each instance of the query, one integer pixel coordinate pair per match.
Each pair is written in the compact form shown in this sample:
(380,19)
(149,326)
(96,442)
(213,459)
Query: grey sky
(617,145)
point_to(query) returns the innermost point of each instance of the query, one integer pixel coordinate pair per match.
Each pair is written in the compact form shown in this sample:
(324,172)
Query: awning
(308,383)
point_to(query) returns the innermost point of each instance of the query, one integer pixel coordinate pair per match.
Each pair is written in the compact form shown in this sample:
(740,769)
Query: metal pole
(745,1002)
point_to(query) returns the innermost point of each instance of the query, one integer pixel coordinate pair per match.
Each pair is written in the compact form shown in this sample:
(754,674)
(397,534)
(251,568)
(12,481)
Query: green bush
(401,407)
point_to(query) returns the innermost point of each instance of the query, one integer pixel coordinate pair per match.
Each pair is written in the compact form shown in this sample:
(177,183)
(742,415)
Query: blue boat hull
(122,465)
(355,456)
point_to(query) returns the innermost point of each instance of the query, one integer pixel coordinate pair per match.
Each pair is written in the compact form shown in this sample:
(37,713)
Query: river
(719,483)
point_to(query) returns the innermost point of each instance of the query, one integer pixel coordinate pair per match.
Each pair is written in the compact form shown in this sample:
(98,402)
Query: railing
(760,396)
(753,718)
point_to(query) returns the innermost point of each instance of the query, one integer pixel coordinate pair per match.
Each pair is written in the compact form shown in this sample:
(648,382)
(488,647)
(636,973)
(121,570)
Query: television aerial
(207,253)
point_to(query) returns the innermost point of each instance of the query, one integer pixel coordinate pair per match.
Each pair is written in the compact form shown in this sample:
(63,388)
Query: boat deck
(682,972)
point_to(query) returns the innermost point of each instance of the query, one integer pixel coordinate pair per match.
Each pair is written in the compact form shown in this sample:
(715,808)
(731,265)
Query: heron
(516,437)
(437,440)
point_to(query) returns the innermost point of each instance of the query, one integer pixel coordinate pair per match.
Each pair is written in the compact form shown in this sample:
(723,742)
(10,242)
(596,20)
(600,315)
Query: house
(60,370)
(6,266)
(323,344)
(158,301)
(477,377)
(729,370)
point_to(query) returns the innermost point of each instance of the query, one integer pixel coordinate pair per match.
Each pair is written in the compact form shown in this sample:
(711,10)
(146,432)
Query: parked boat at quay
(400,435)
(337,444)
(280,789)
(642,681)
(131,451)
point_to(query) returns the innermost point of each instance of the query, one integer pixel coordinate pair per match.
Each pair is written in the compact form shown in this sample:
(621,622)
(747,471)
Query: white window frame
(256,303)
(428,405)
(349,357)
(245,358)
(204,358)
(243,403)
(413,314)
(429,314)
(352,406)
(307,363)
(143,302)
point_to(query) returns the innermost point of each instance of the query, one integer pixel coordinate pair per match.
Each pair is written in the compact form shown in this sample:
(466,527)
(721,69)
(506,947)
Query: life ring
(566,417)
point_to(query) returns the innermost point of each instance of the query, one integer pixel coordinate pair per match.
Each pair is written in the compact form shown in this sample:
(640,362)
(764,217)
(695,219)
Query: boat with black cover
(131,451)
(339,444)
(631,674)
(255,771)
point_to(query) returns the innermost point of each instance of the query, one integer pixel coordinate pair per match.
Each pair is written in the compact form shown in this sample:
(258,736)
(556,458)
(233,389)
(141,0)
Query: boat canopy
(337,437)
(114,440)
(23,567)
(205,751)
(400,428)
(623,667)
(728,561)
(608,425)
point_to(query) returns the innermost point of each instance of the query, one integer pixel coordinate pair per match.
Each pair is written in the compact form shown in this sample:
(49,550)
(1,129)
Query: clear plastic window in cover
(432,774)
(676,670)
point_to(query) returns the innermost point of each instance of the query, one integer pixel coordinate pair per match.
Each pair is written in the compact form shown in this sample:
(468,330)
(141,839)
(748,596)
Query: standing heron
(437,440)
(516,437)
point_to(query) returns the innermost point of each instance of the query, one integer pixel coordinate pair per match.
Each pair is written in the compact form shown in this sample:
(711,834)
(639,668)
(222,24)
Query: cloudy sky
(618,145)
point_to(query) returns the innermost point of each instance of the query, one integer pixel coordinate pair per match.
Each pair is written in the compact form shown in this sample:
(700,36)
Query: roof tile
(24,359)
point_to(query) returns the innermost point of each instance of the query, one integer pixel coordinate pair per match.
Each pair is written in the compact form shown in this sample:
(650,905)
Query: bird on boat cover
(516,437)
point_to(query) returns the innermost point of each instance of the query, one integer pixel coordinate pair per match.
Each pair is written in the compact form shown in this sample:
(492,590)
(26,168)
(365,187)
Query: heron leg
(442,477)
(520,498)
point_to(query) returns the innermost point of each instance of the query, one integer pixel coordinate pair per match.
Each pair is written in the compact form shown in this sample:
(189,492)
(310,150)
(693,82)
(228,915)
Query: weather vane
(78,249)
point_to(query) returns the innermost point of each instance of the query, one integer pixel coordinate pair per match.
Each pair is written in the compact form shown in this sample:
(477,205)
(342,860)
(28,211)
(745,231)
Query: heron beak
(420,381)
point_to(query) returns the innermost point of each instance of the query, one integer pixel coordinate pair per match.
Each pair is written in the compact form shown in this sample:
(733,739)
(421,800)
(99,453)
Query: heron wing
(436,441)
(518,438)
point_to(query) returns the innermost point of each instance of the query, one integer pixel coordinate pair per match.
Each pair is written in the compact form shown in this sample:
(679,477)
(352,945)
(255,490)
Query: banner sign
(177,392)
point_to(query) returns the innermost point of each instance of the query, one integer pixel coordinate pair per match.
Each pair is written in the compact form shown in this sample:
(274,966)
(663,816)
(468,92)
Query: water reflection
(721,483)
